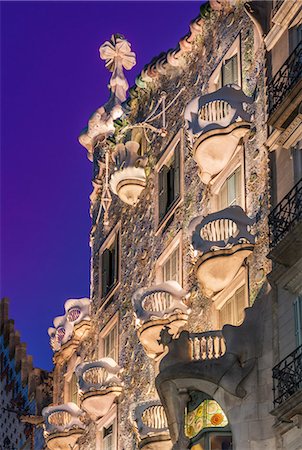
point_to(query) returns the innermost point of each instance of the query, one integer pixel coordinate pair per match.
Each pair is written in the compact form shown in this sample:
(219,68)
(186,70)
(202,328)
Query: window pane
(110,258)
(230,192)
(232,312)
(108,438)
(111,344)
(169,183)
(230,71)
(171,267)
(73,389)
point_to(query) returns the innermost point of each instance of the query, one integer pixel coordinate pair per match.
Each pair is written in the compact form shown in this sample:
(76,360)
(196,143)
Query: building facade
(25,390)
(191,337)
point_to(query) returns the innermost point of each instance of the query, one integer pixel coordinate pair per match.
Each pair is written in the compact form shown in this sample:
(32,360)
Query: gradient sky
(52,81)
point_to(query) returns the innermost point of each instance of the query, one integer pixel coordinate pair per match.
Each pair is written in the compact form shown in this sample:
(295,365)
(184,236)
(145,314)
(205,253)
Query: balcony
(287,387)
(129,179)
(156,307)
(70,329)
(221,242)
(152,426)
(286,228)
(100,386)
(217,122)
(63,426)
(284,91)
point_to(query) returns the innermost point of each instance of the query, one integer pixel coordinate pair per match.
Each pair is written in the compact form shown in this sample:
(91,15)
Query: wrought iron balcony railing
(287,377)
(286,215)
(285,79)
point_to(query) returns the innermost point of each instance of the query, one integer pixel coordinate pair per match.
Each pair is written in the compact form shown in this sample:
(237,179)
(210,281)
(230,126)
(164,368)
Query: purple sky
(52,81)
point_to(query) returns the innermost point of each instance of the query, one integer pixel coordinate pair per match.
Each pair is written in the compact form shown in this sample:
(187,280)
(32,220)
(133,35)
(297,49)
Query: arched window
(206,424)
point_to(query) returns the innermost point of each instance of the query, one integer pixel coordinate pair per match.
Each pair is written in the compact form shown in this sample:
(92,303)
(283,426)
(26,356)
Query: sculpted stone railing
(129,179)
(156,307)
(207,345)
(63,425)
(74,323)
(222,234)
(100,385)
(152,426)
(216,124)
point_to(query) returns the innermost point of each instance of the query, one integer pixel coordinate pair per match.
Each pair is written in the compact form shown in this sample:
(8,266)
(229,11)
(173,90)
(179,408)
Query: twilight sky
(52,81)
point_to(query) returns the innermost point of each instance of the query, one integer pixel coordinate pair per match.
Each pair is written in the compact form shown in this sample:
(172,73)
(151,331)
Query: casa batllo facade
(191,338)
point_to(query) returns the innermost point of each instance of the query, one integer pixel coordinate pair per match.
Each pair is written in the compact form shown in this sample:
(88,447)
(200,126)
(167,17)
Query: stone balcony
(63,426)
(100,386)
(217,122)
(152,427)
(70,329)
(129,179)
(221,242)
(156,307)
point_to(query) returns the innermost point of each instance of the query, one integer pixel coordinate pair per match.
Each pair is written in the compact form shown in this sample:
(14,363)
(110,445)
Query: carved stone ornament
(118,55)
(156,307)
(100,385)
(222,241)
(63,426)
(216,122)
(129,179)
(76,312)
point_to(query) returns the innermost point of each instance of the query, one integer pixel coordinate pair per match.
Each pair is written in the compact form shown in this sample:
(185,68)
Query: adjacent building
(25,390)
(191,337)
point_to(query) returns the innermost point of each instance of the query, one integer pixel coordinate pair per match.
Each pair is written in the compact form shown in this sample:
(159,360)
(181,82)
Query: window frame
(114,234)
(165,157)
(177,242)
(220,299)
(232,51)
(105,422)
(73,361)
(105,331)
(238,160)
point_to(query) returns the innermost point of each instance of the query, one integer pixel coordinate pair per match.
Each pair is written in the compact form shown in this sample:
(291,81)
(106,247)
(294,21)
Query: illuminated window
(229,72)
(73,389)
(169,264)
(110,263)
(111,344)
(232,312)
(231,191)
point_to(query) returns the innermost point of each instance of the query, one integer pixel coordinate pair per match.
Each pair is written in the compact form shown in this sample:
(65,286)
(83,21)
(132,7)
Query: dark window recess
(169,183)
(110,267)
(229,72)
(108,431)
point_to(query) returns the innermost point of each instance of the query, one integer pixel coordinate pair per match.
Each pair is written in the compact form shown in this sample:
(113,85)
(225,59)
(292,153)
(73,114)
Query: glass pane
(220,442)
(110,344)
(231,181)
(171,267)
(240,305)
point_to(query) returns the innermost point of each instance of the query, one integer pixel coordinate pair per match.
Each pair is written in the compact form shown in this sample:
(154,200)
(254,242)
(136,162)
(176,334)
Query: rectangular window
(108,438)
(73,389)
(169,183)
(111,344)
(229,72)
(110,266)
(171,269)
(298,320)
(231,191)
(232,312)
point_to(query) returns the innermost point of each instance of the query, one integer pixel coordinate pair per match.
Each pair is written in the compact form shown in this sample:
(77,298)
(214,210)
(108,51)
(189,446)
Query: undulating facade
(24,390)
(191,337)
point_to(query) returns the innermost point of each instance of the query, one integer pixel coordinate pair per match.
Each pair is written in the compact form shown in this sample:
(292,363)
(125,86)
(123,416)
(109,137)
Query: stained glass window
(207,415)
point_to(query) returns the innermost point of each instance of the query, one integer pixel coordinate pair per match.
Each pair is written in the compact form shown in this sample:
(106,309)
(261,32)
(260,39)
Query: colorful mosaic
(207,415)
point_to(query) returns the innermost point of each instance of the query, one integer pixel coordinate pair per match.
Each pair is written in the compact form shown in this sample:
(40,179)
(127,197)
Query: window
(229,72)
(169,183)
(111,344)
(109,340)
(298,320)
(232,312)
(231,191)
(169,264)
(73,389)
(110,262)
(108,438)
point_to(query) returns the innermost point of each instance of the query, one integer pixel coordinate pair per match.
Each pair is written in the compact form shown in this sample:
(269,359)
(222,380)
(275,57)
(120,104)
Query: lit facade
(191,338)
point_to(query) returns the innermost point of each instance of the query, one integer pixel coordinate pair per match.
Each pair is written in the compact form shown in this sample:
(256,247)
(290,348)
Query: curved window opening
(206,424)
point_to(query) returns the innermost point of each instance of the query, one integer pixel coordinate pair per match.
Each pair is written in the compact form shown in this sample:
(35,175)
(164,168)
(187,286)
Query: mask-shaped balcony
(217,122)
(152,426)
(156,307)
(63,426)
(129,179)
(70,329)
(222,241)
(100,386)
